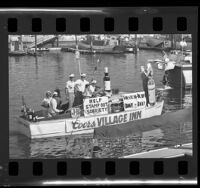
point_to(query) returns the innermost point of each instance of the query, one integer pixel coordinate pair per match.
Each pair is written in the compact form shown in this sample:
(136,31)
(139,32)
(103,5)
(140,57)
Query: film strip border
(144,21)
(87,25)
(85,21)
(178,168)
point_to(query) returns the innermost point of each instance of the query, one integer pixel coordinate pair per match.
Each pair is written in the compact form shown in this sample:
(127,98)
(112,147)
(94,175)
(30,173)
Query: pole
(35,44)
(172,41)
(181,70)
(76,41)
(77,54)
(91,43)
(136,44)
(57,41)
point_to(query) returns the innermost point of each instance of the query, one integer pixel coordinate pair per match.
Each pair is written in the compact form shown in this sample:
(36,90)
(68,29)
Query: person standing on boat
(80,89)
(149,70)
(87,93)
(46,100)
(69,90)
(145,80)
(58,99)
(53,110)
(95,89)
(150,85)
(91,90)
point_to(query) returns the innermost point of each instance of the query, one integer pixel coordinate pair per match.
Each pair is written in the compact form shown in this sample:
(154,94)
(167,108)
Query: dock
(167,152)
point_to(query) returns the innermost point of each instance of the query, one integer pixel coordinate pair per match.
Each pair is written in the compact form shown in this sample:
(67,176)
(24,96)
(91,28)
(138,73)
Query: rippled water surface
(31,77)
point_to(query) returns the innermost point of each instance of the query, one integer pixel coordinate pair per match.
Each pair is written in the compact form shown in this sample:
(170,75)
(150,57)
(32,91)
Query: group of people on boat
(75,92)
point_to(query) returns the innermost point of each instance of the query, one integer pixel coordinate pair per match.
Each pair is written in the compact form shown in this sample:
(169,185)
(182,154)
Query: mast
(77,55)
(172,41)
(76,41)
(136,44)
(91,43)
(57,39)
(35,44)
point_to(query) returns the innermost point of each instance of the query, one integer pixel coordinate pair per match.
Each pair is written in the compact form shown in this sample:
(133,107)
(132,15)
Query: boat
(178,71)
(89,51)
(150,43)
(17,53)
(97,112)
(93,46)
(40,49)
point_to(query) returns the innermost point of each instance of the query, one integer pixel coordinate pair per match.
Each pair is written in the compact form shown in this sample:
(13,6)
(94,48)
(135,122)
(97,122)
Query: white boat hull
(84,125)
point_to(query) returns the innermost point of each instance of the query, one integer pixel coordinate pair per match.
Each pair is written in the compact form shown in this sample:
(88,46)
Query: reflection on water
(32,76)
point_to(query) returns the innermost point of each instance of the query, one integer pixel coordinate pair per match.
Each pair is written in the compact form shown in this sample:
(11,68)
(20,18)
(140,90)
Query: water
(32,77)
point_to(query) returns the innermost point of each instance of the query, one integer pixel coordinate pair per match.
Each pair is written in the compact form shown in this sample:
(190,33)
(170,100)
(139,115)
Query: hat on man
(55,93)
(83,75)
(94,82)
(48,93)
(71,75)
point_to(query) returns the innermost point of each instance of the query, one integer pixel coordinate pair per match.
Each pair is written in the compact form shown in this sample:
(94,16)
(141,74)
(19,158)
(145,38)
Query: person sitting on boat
(58,98)
(53,110)
(79,89)
(145,80)
(69,90)
(46,100)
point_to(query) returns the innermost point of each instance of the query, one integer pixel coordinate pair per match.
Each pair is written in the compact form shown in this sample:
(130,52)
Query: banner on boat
(104,120)
(134,101)
(95,106)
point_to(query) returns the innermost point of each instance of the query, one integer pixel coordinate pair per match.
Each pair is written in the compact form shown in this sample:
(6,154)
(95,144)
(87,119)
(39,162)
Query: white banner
(83,123)
(133,101)
(95,106)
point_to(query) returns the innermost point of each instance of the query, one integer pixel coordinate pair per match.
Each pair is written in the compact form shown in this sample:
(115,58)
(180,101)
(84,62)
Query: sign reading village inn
(96,112)
(83,123)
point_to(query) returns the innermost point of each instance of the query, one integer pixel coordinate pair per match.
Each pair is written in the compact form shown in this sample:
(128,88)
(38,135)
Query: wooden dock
(168,152)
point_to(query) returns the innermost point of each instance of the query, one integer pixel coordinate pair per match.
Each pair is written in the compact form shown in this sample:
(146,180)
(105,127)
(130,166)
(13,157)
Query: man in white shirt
(80,83)
(69,90)
(90,89)
(53,111)
(80,89)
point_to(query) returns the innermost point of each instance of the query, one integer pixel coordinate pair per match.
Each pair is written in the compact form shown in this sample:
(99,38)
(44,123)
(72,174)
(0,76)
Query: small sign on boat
(75,112)
(95,106)
(134,101)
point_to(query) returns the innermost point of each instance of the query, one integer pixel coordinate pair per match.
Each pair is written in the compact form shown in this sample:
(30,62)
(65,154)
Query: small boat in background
(17,53)
(40,49)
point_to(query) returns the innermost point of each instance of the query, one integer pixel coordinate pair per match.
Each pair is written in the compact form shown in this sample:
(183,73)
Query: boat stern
(24,127)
